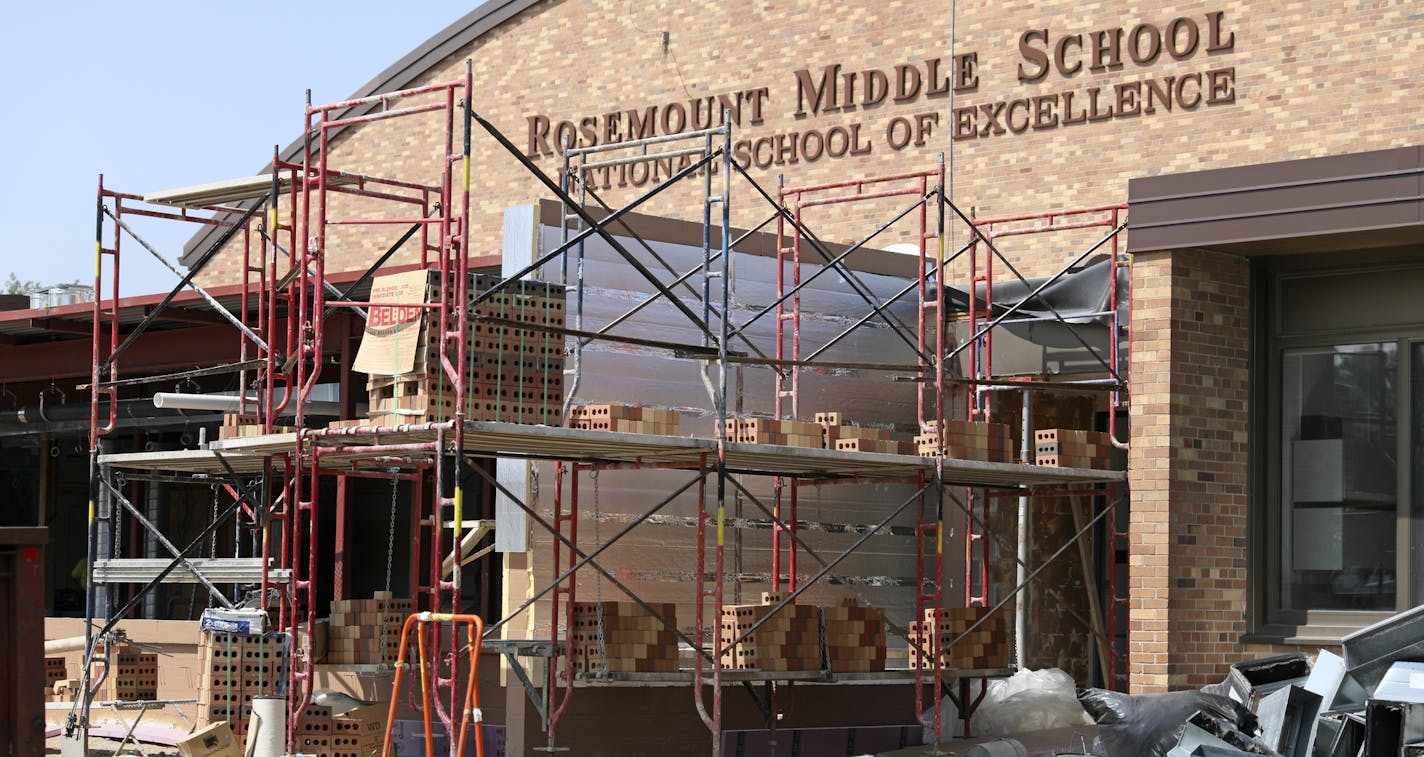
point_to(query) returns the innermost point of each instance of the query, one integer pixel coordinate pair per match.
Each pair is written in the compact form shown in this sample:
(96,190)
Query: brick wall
(1188,467)
(1311,79)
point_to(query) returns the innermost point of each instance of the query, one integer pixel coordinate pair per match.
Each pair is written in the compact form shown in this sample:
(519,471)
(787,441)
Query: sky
(156,95)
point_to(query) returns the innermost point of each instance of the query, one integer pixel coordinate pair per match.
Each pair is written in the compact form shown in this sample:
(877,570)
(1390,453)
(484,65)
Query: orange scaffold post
(475,631)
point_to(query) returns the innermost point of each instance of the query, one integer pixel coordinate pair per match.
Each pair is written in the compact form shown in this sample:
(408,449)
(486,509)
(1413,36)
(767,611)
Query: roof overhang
(1341,202)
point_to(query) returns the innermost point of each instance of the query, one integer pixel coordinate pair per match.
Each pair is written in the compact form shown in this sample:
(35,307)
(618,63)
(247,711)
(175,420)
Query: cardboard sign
(392,341)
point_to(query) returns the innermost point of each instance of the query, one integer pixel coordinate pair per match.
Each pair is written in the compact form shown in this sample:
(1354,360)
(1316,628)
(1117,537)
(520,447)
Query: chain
(598,580)
(390,558)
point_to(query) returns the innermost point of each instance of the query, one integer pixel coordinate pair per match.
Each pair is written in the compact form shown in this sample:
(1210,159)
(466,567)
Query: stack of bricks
(628,419)
(54,669)
(835,434)
(1070,448)
(237,425)
(967,440)
(855,637)
(785,432)
(515,374)
(366,631)
(314,734)
(789,640)
(232,671)
(633,641)
(984,648)
(132,675)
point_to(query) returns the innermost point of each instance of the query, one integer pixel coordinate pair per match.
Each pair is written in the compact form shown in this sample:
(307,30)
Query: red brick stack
(785,432)
(836,434)
(1070,448)
(314,732)
(236,425)
(366,631)
(633,640)
(986,647)
(54,669)
(517,374)
(855,637)
(232,671)
(360,732)
(132,675)
(628,419)
(967,440)
(789,640)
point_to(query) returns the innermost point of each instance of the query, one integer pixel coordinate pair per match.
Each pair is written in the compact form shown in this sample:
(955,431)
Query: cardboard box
(366,725)
(217,740)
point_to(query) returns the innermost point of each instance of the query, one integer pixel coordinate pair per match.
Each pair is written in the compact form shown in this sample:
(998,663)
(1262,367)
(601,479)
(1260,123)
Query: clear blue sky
(162,94)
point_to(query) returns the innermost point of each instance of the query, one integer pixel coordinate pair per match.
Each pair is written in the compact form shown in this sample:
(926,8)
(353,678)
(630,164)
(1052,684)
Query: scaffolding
(274,480)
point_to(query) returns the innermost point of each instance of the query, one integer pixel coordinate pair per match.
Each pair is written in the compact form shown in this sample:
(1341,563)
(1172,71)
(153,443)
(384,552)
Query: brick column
(1187,565)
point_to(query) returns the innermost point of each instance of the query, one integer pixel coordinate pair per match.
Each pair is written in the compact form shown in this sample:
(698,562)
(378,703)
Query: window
(1342,467)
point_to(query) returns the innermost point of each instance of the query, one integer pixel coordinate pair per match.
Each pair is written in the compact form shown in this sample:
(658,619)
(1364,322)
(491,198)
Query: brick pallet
(366,631)
(633,640)
(789,640)
(628,419)
(855,637)
(837,435)
(1070,448)
(785,432)
(237,425)
(232,671)
(986,647)
(515,374)
(967,440)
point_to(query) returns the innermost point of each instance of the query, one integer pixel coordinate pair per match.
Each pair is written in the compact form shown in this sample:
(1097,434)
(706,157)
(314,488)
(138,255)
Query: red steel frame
(980,402)
(445,207)
(930,387)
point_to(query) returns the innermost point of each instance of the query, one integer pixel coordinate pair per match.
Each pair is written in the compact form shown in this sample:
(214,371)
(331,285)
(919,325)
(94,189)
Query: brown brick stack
(314,732)
(855,637)
(789,640)
(785,432)
(232,670)
(967,440)
(360,732)
(54,669)
(986,647)
(132,675)
(836,434)
(628,419)
(1070,448)
(515,374)
(366,631)
(633,640)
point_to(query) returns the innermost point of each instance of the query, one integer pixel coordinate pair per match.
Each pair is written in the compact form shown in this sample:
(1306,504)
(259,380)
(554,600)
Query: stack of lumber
(628,419)
(986,647)
(967,440)
(789,640)
(632,640)
(1070,448)
(366,631)
(855,637)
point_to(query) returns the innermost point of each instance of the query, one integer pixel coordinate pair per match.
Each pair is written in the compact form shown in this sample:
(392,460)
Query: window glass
(1338,447)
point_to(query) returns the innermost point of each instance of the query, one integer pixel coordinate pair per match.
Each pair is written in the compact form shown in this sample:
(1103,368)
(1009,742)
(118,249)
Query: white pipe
(60,646)
(267,735)
(1021,575)
(228,404)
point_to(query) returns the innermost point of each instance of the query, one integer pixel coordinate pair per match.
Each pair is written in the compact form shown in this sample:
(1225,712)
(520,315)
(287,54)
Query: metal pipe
(229,404)
(1021,571)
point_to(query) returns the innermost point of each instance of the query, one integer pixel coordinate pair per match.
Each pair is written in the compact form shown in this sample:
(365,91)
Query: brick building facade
(1036,107)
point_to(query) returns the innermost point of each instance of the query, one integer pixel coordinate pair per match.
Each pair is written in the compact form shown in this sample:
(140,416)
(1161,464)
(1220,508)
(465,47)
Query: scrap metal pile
(1370,701)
